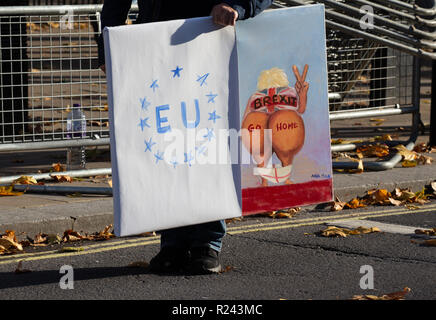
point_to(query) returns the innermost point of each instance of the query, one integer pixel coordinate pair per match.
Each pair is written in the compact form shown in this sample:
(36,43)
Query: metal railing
(49,62)
(406,25)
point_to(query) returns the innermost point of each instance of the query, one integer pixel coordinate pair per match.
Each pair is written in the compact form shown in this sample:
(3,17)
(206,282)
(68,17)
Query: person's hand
(103,68)
(224,15)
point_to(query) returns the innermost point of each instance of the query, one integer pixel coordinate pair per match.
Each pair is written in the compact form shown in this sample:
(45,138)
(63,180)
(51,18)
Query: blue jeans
(208,234)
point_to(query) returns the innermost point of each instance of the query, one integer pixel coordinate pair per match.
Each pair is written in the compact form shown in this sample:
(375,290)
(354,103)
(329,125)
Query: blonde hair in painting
(272,78)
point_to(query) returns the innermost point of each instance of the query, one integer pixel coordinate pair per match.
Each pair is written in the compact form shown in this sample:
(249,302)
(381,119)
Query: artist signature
(321,176)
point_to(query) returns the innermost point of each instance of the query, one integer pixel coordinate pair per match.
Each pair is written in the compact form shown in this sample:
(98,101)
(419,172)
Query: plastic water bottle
(76,128)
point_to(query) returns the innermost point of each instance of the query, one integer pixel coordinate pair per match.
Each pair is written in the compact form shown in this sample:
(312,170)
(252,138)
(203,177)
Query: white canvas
(157,72)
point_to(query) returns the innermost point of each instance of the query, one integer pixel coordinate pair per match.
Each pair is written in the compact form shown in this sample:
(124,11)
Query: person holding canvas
(193,248)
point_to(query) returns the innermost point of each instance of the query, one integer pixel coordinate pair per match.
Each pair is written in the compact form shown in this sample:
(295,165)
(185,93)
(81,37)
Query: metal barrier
(405,25)
(49,62)
(375,71)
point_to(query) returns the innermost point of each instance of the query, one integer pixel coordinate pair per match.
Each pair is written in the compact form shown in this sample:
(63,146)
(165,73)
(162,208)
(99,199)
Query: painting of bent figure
(283,101)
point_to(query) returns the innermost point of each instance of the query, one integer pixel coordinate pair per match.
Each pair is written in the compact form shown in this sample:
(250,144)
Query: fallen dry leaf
(429,232)
(148,234)
(395,202)
(9,191)
(377,121)
(71,249)
(398,295)
(430,243)
(333,231)
(19,269)
(138,264)
(9,241)
(57,167)
(377,150)
(232,220)
(71,235)
(61,177)
(105,234)
(406,153)
(337,205)
(226,269)
(288,213)
(74,195)
(25,180)
(355,203)
(421,147)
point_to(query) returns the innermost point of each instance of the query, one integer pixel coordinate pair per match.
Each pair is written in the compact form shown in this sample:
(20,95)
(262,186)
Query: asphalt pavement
(265,259)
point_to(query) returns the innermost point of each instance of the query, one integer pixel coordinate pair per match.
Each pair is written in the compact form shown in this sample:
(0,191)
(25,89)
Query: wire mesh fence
(49,63)
(365,75)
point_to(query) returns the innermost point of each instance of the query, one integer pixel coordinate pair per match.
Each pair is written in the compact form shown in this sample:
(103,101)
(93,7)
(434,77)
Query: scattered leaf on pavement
(233,220)
(57,167)
(61,177)
(9,241)
(148,234)
(337,205)
(25,180)
(377,121)
(287,213)
(333,231)
(74,195)
(430,243)
(409,163)
(429,232)
(355,203)
(226,269)
(71,235)
(138,264)
(399,295)
(71,249)
(19,269)
(377,150)
(9,191)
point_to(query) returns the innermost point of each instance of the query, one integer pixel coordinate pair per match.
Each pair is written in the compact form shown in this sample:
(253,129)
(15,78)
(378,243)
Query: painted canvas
(283,100)
(170,88)
(208,123)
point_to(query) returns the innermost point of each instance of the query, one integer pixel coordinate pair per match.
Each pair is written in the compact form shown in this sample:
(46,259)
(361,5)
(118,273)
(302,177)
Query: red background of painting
(262,199)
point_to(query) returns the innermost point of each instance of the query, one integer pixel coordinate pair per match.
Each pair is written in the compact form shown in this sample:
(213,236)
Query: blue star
(177,72)
(201,149)
(149,145)
(159,156)
(213,116)
(211,97)
(144,103)
(209,135)
(202,79)
(143,123)
(188,158)
(154,85)
(174,163)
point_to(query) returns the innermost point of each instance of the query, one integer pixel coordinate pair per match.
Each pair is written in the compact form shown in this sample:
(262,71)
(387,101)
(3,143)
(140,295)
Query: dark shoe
(169,260)
(204,260)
